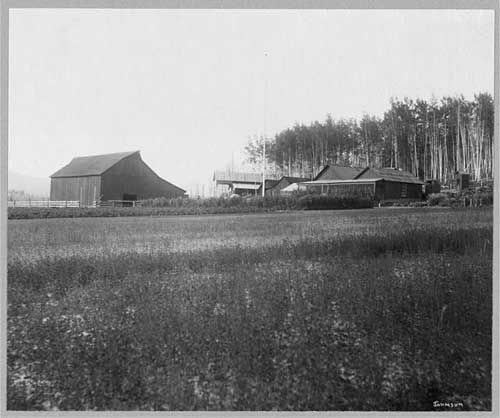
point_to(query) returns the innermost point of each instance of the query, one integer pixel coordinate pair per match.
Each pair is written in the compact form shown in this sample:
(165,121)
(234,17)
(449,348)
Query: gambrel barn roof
(92,165)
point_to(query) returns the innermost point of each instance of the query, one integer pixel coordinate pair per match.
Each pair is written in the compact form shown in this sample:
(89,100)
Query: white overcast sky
(187,87)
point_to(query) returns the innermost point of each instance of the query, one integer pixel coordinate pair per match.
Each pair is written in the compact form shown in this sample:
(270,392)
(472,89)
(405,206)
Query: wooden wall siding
(382,190)
(83,189)
(356,189)
(132,176)
(379,190)
(340,189)
(397,190)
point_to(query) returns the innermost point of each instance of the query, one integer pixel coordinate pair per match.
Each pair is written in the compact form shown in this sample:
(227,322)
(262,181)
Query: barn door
(129,197)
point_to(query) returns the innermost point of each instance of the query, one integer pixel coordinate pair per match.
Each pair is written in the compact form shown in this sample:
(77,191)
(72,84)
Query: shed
(238,182)
(462,180)
(283,183)
(269,185)
(118,176)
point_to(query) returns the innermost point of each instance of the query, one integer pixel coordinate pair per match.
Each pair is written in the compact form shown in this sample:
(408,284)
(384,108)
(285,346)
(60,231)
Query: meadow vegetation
(192,206)
(385,309)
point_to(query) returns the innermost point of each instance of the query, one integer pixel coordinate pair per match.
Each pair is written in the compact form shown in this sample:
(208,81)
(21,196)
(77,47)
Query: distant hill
(33,186)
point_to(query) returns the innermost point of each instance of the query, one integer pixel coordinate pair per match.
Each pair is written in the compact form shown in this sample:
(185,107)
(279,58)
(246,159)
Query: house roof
(337,172)
(389,174)
(352,181)
(289,180)
(269,184)
(91,165)
(294,179)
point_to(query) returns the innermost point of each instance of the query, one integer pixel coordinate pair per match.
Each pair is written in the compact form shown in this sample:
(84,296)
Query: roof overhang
(246,186)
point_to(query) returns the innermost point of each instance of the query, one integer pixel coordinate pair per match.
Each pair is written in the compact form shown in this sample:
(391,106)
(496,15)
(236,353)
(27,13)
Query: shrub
(314,201)
(438,199)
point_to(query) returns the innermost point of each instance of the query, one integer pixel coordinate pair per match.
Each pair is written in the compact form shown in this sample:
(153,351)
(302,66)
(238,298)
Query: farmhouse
(119,176)
(382,183)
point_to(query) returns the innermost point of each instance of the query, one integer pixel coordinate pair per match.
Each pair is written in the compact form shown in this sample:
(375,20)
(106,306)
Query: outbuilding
(118,176)
(381,183)
(239,182)
(283,183)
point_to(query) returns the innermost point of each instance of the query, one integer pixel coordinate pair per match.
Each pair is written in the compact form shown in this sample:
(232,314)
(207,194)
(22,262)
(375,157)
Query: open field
(371,309)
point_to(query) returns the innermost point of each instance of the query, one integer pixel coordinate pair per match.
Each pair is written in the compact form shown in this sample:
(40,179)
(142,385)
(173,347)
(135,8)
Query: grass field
(377,309)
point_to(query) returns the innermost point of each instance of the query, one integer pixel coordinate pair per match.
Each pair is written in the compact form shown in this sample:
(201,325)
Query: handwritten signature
(446,404)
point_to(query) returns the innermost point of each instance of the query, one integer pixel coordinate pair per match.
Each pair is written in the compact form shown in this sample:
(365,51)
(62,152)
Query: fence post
(65,203)
(48,203)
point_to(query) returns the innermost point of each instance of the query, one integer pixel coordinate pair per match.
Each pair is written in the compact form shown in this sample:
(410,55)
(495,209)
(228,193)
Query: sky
(189,88)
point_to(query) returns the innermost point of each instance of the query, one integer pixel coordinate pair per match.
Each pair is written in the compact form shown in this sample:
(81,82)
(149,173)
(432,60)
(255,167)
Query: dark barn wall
(82,189)
(132,176)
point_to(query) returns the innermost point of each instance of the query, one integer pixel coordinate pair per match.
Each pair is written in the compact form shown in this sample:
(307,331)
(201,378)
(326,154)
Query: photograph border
(7,5)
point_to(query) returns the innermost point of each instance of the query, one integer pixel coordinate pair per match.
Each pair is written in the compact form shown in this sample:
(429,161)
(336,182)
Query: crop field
(371,309)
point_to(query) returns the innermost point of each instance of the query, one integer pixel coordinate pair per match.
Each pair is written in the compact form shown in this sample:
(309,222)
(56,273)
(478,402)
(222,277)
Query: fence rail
(119,203)
(70,203)
(45,204)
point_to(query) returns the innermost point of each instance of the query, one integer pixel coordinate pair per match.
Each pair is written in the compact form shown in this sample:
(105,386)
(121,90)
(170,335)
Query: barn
(118,176)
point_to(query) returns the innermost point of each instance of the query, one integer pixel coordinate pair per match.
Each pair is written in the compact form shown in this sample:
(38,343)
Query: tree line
(431,139)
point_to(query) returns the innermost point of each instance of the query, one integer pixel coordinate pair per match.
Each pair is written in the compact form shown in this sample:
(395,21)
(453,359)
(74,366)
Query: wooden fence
(70,203)
(120,203)
(45,204)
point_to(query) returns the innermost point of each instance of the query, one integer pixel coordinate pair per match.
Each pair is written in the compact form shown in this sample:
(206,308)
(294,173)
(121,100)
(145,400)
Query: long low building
(118,176)
(381,183)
